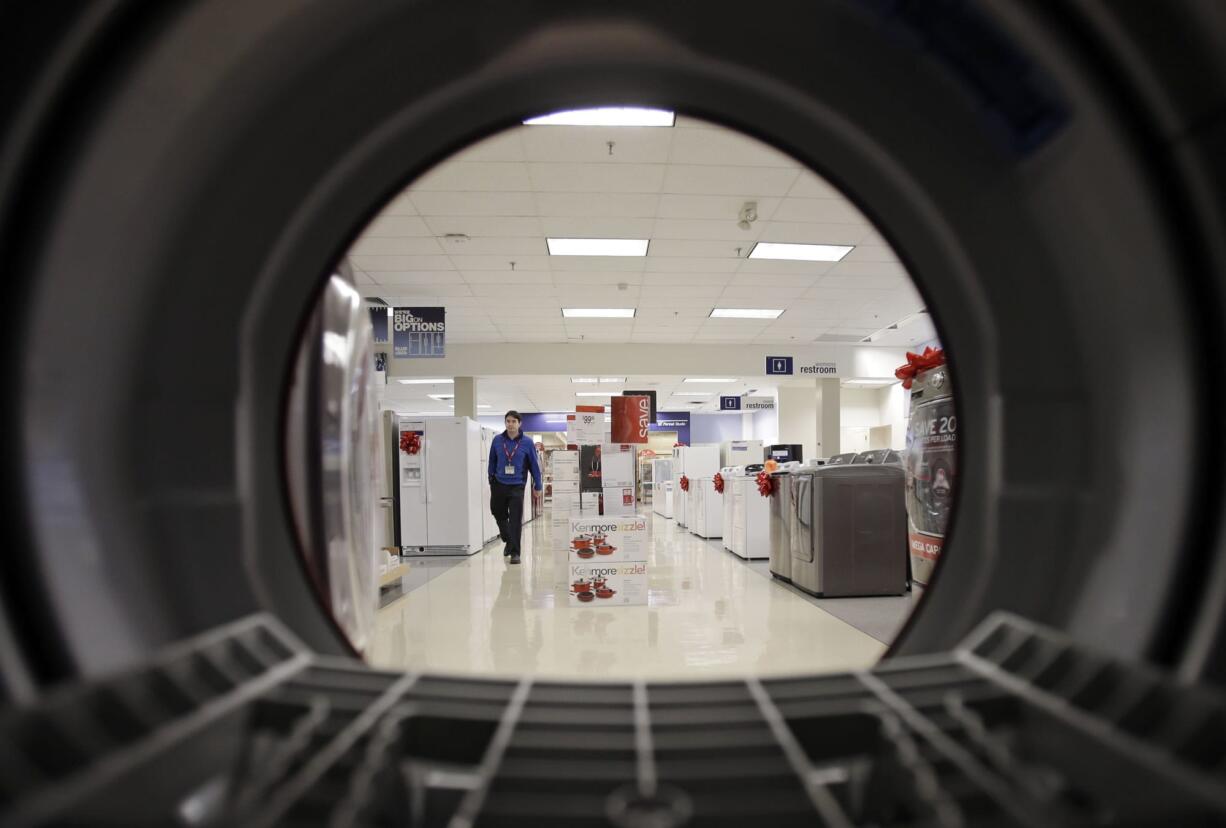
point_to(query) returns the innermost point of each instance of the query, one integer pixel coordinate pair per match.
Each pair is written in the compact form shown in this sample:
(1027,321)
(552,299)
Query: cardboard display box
(612,539)
(565,501)
(617,465)
(566,487)
(604,585)
(618,500)
(564,465)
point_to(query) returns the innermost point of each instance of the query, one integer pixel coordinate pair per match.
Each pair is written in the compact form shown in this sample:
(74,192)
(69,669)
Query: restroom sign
(779,365)
(729,403)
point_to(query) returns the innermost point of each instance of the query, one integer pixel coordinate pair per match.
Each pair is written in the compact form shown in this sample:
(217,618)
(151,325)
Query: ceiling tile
(711,207)
(664,248)
(396,226)
(798,280)
(847,267)
(501,146)
(774,297)
(498,304)
(504,248)
(830,280)
(803,233)
(474,204)
(871,253)
(725,230)
(584,227)
(590,145)
(498,226)
(503,278)
(464,262)
(374,264)
(597,178)
(392,245)
(688,122)
(671,294)
(749,266)
(819,211)
(608,205)
(421,278)
(596,277)
(744,182)
(519,288)
(677,279)
(810,185)
(459,176)
(628,264)
(725,147)
(678,264)
(669,310)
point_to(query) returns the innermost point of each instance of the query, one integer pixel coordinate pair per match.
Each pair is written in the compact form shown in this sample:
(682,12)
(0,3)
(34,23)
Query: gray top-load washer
(879,456)
(782,513)
(844,459)
(849,530)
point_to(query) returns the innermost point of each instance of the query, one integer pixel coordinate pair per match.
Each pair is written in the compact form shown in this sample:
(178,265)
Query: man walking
(512,456)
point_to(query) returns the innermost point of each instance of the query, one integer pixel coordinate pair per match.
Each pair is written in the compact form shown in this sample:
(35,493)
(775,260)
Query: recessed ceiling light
(800,252)
(597,247)
(593,394)
(745,313)
(607,116)
(612,379)
(709,379)
(439,381)
(693,394)
(594,313)
(583,379)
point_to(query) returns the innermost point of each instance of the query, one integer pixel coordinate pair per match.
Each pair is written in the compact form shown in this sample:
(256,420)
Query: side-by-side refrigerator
(440,487)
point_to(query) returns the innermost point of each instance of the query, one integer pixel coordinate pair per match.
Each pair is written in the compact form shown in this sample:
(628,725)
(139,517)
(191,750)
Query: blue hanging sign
(419,333)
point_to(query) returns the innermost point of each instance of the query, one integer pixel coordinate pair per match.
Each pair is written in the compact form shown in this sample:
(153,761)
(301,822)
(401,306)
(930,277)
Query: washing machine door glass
(802,535)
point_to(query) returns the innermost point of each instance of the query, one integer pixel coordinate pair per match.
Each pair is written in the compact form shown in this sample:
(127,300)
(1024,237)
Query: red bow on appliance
(410,442)
(685,483)
(718,482)
(930,358)
(766,484)
(678,445)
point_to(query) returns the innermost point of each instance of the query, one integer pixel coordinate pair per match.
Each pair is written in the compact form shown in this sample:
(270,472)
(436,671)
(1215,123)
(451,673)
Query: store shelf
(1019,726)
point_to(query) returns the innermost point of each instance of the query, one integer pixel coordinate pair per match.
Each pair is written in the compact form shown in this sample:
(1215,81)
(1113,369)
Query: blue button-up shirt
(523,458)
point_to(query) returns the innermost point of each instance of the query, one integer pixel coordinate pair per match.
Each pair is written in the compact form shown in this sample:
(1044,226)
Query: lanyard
(510,454)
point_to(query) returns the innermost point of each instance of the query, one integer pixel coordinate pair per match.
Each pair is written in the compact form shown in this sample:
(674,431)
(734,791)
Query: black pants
(507,505)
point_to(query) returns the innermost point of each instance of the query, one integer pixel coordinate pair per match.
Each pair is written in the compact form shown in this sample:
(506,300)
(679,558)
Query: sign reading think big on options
(419,333)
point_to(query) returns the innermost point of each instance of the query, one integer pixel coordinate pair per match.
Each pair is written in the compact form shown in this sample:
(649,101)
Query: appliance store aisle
(708,616)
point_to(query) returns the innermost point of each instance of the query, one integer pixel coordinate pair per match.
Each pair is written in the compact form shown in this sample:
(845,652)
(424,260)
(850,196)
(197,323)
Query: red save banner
(631,416)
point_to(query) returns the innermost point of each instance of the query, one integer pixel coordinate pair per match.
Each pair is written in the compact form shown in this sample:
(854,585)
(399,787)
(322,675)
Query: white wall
(764,426)
(895,402)
(715,428)
(865,408)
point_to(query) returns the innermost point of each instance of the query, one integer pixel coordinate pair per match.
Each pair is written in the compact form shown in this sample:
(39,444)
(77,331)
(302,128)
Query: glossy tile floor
(709,615)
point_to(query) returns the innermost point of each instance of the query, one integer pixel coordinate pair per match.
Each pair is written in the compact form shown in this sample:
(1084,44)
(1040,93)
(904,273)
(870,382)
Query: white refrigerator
(489,526)
(691,462)
(440,488)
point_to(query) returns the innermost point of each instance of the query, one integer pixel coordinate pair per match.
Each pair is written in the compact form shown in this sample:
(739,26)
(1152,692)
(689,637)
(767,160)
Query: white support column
(465,397)
(829,419)
(798,416)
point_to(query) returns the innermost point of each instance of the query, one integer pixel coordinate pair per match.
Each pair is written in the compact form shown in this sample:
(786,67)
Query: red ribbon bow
(685,483)
(930,358)
(410,442)
(766,484)
(718,482)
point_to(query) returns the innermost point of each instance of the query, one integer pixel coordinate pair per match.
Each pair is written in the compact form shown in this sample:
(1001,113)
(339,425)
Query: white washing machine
(708,517)
(728,473)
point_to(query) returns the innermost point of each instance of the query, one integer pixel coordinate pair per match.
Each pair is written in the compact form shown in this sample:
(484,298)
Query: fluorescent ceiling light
(593,394)
(800,252)
(597,247)
(693,394)
(584,379)
(441,397)
(709,379)
(607,116)
(612,379)
(440,381)
(598,313)
(745,313)
(484,406)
